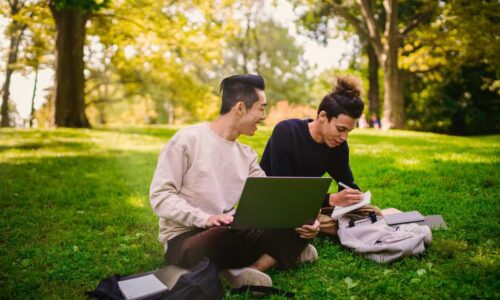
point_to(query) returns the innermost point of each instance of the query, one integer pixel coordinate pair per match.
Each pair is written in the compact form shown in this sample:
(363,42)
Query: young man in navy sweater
(309,148)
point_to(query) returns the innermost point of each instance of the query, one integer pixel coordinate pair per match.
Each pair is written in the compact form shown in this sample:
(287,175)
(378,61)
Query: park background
(125,75)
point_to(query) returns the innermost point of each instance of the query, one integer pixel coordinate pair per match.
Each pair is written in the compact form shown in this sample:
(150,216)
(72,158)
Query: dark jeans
(232,248)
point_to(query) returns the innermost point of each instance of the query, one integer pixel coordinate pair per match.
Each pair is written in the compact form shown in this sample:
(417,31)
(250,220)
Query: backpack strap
(107,289)
(259,290)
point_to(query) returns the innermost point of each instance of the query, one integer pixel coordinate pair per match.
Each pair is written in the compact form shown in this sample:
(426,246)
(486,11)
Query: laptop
(404,217)
(280,202)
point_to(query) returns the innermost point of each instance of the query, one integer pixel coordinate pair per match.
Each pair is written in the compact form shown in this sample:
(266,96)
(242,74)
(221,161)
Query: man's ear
(240,107)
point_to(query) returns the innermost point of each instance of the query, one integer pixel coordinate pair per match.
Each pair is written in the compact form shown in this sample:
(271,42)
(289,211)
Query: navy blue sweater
(291,151)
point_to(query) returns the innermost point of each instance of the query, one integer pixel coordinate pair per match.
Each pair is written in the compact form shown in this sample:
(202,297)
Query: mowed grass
(74,209)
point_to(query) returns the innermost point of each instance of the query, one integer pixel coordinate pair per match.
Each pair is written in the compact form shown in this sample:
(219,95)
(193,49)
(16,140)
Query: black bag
(200,283)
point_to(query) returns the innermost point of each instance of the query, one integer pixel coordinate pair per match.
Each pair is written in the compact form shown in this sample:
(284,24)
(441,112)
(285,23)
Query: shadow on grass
(69,221)
(27,146)
(160,132)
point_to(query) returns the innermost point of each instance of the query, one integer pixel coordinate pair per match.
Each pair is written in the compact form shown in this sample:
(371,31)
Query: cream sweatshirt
(199,174)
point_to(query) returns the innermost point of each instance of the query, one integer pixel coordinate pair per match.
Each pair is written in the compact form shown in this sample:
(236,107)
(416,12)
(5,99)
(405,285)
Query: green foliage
(165,54)
(75,209)
(161,62)
(450,62)
(39,43)
(460,103)
(266,47)
(452,70)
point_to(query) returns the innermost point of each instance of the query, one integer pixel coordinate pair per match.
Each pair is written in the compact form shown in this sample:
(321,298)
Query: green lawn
(75,209)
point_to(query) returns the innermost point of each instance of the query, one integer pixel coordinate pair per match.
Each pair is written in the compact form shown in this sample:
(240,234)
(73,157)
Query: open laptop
(280,202)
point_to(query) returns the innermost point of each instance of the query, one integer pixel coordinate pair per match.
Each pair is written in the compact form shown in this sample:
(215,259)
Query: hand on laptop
(308,231)
(346,197)
(219,220)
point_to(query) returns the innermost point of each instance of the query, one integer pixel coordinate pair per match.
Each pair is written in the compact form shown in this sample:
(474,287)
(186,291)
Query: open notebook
(341,210)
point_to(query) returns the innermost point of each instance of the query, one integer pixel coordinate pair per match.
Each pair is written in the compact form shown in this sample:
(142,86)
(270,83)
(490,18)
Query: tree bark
(386,48)
(69,106)
(32,112)
(393,95)
(15,40)
(373,87)
(393,91)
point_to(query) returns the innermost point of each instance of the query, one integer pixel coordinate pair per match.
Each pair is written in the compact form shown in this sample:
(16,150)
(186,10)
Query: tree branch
(371,25)
(101,83)
(107,100)
(391,21)
(344,13)
(102,100)
(121,18)
(11,4)
(422,16)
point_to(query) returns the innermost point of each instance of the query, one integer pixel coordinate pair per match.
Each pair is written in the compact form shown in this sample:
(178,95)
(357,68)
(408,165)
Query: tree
(318,20)
(265,47)
(35,54)
(385,33)
(386,47)
(70,18)
(15,31)
(165,65)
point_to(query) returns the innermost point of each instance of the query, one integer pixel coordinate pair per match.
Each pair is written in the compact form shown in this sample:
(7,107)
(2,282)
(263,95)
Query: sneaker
(415,228)
(237,278)
(308,255)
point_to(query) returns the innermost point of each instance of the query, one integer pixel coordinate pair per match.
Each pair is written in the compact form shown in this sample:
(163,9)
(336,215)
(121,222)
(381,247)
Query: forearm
(170,206)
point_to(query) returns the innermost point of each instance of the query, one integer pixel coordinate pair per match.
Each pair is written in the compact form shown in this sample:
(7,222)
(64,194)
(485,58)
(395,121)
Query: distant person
(375,121)
(309,148)
(199,177)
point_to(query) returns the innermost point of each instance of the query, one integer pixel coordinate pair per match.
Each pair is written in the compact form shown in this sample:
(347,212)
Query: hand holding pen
(346,197)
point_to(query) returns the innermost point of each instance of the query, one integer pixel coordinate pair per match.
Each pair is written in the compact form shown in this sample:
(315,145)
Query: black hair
(240,88)
(344,99)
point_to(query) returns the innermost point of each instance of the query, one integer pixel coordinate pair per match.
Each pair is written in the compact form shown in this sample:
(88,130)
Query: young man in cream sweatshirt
(198,180)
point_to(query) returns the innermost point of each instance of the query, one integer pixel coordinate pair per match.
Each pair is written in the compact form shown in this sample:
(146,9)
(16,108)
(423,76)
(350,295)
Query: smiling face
(250,117)
(335,131)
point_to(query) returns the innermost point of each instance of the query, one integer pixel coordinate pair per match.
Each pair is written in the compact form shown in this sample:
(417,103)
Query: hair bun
(349,86)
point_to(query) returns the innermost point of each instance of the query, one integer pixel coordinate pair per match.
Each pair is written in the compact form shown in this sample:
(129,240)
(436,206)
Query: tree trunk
(15,40)
(171,114)
(393,93)
(69,108)
(373,88)
(5,98)
(32,112)
(393,90)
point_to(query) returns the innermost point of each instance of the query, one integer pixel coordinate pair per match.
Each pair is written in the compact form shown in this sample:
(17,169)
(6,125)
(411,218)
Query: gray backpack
(375,240)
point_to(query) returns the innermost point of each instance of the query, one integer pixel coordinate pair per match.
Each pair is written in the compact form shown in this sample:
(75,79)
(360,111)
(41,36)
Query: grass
(74,209)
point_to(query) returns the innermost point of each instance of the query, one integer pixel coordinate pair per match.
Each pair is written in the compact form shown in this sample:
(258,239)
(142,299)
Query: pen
(345,186)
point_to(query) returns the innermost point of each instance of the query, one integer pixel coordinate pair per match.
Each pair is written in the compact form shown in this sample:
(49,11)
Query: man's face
(253,115)
(336,131)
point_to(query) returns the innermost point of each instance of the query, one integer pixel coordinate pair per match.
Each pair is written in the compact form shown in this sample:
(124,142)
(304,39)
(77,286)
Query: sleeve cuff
(201,219)
(326,201)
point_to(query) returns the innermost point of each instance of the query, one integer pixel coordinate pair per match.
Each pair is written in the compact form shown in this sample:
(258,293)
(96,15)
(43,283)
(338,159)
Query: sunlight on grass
(486,258)
(411,163)
(137,201)
(466,157)
(128,142)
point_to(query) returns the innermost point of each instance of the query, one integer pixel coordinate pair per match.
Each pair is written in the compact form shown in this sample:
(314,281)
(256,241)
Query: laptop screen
(280,202)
